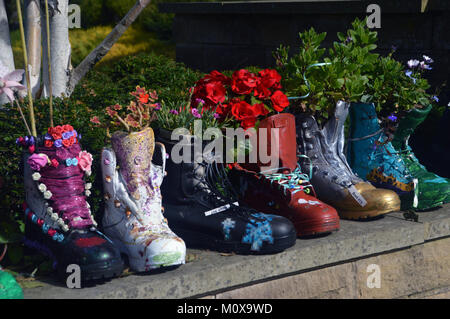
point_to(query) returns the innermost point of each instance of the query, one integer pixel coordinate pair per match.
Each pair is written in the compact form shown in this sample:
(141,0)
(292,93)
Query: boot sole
(204,241)
(365,215)
(319,227)
(98,271)
(123,250)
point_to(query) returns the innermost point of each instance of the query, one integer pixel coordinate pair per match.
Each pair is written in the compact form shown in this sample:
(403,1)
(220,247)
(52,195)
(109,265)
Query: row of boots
(243,208)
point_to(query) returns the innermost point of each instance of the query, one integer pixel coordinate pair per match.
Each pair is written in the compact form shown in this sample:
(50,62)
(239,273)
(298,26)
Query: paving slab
(211,272)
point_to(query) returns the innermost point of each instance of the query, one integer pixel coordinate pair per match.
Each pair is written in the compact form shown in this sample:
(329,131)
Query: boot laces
(294,181)
(220,191)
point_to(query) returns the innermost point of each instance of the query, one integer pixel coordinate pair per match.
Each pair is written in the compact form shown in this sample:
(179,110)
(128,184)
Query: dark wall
(238,34)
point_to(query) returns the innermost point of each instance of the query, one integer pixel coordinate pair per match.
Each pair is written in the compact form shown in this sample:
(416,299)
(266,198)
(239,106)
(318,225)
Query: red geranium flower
(243,82)
(270,78)
(215,92)
(244,112)
(279,101)
(260,109)
(217,76)
(48,143)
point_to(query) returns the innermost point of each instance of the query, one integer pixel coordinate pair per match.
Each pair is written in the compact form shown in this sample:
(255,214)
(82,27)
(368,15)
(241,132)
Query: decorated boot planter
(58,219)
(207,217)
(284,190)
(332,177)
(433,190)
(133,216)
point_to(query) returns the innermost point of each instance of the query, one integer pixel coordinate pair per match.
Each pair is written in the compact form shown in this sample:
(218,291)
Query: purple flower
(157,106)
(392,117)
(58,143)
(67,135)
(79,136)
(434,97)
(196,114)
(48,137)
(216,115)
(428,59)
(425,66)
(75,133)
(413,63)
(174,112)
(408,74)
(199,101)
(349,39)
(31,141)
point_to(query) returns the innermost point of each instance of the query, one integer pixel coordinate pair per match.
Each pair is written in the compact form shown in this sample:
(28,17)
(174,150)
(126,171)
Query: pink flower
(37,161)
(10,81)
(85,161)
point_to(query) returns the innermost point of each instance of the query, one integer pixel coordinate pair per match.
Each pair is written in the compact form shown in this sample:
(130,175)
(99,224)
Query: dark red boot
(285,190)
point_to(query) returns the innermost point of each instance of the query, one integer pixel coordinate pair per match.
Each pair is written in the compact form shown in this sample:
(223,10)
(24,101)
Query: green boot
(9,288)
(433,189)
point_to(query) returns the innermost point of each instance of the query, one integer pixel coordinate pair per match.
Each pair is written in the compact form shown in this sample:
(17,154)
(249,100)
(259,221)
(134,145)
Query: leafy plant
(136,116)
(394,89)
(316,79)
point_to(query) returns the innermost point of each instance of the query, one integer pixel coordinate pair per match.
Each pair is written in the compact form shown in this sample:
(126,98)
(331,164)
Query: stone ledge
(210,272)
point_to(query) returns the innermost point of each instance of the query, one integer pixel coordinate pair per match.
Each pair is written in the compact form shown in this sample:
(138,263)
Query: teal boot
(374,160)
(433,190)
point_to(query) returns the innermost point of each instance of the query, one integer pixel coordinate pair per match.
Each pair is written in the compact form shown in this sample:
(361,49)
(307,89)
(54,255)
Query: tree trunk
(33,40)
(60,48)
(6,53)
(103,48)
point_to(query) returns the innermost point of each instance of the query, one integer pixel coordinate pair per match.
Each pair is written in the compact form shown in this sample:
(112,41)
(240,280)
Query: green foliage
(393,91)
(169,78)
(173,115)
(345,76)
(353,74)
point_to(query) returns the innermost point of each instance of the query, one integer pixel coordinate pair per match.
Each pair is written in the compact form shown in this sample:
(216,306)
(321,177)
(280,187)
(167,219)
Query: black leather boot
(202,212)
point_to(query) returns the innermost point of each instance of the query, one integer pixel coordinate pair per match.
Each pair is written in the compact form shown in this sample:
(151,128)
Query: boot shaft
(54,183)
(184,177)
(412,119)
(285,142)
(134,152)
(372,156)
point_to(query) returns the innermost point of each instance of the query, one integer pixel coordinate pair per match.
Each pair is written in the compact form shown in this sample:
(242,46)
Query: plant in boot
(198,206)
(59,222)
(326,90)
(399,96)
(200,209)
(316,79)
(133,215)
(242,99)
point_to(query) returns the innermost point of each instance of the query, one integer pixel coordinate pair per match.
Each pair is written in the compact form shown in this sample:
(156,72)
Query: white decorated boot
(133,216)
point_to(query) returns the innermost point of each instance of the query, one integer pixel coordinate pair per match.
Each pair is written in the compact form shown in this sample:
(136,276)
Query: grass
(135,40)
